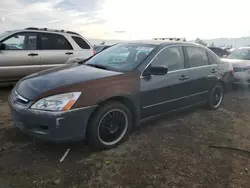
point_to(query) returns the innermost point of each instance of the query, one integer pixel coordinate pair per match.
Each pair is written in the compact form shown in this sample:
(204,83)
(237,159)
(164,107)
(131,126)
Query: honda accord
(104,96)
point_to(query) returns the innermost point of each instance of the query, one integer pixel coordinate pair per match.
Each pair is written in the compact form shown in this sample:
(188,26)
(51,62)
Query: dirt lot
(177,151)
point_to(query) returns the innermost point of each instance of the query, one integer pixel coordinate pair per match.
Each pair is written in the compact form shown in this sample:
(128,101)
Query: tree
(199,41)
(212,45)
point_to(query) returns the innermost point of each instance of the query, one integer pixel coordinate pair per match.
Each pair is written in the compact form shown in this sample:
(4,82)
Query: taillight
(94,52)
(233,70)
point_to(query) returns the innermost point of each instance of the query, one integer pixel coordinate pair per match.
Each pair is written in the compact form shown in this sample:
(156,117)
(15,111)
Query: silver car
(240,60)
(30,50)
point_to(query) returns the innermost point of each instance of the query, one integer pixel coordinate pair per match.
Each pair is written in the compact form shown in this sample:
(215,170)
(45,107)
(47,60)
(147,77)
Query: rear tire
(109,125)
(215,97)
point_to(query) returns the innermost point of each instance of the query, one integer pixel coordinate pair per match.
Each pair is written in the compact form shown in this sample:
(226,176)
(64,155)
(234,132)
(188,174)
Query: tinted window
(220,52)
(51,41)
(217,50)
(21,41)
(172,57)
(83,44)
(197,56)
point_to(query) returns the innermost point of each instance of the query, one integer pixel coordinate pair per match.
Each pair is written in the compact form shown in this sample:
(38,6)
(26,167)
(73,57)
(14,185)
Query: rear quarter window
(213,59)
(80,42)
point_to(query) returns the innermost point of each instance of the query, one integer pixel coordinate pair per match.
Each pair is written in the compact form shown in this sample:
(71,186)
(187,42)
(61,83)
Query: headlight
(61,102)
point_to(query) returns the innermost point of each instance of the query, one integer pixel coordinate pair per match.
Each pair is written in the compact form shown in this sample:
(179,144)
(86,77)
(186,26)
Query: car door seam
(172,100)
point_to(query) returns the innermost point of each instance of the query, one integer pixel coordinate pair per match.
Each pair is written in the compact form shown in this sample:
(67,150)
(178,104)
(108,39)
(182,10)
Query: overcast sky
(131,19)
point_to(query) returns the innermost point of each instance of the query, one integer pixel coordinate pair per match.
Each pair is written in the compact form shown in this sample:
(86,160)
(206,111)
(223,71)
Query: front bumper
(51,126)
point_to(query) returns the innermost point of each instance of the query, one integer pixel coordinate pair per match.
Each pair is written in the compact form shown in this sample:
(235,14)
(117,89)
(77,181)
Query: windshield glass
(122,57)
(240,54)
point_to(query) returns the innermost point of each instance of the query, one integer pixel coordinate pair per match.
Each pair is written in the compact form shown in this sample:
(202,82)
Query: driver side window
(21,41)
(171,57)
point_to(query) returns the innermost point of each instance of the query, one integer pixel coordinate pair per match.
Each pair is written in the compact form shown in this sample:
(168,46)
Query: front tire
(109,125)
(215,97)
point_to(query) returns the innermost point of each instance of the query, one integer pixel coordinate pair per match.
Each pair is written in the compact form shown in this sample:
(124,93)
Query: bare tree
(199,41)
(212,45)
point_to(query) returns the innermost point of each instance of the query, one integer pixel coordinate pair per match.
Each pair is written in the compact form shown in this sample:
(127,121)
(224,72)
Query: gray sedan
(240,60)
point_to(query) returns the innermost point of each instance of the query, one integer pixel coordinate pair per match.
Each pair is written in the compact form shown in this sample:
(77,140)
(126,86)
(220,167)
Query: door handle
(214,71)
(183,77)
(69,53)
(32,54)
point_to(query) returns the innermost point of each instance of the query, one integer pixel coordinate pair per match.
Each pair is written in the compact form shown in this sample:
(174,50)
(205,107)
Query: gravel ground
(196,148)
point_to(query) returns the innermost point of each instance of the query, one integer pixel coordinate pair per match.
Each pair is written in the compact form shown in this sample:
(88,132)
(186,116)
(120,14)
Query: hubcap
(112,127)
(217,96)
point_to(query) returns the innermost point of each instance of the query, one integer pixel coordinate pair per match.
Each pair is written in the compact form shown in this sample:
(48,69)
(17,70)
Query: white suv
(30,50)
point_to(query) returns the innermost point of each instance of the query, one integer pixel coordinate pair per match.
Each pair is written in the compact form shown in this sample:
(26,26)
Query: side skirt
(172,111)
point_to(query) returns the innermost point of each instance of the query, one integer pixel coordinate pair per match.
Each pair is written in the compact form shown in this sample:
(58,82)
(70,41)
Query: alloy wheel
(112,127)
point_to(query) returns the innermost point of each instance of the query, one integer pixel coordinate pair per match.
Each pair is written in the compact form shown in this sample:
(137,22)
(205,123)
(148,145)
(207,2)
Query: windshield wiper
(85,60)
(98,66)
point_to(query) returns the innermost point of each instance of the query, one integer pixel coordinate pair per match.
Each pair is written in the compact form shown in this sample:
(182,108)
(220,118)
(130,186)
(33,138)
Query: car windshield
(243,54)
(122,57)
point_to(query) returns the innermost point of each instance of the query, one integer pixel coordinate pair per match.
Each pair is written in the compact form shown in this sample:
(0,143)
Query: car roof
(159,42)
(62,32)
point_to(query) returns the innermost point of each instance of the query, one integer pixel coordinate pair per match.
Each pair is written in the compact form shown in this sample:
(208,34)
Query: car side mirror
(158,70)
(224,56)
(2,46)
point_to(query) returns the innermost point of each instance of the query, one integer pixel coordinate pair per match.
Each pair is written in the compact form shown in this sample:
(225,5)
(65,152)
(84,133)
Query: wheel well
(224,86)
(125,101)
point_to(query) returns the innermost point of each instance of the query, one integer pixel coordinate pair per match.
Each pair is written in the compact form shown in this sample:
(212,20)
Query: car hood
(35,84)
(238,62)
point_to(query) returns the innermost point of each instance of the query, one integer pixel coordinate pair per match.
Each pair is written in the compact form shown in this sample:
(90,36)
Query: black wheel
(216,96)
(109,125)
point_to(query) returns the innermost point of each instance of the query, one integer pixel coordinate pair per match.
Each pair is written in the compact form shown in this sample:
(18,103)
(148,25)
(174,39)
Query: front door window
(21,41)
(171,57)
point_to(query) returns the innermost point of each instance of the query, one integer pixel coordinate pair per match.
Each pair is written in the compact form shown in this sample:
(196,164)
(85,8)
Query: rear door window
(197,56)
(80,42)
(51,41)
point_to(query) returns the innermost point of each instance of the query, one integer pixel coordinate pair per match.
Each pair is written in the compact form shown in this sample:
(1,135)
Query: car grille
(18,98)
